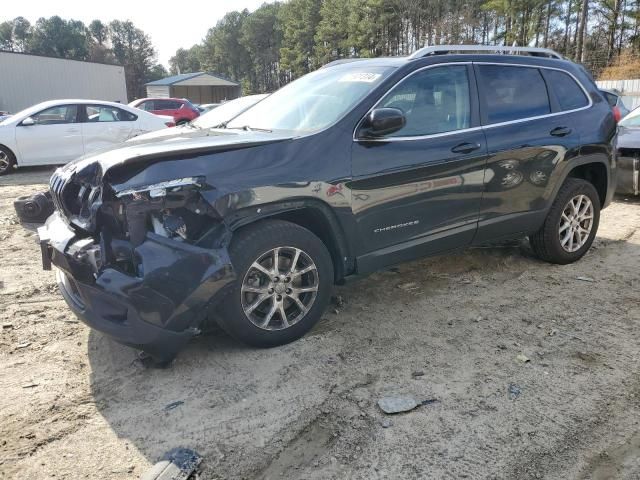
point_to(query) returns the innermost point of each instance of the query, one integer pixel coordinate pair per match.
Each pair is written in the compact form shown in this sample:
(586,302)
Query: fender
(591,158)
(330,229)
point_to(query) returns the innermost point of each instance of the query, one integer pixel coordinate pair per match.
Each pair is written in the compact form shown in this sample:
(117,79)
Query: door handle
(465,147)
(560,131)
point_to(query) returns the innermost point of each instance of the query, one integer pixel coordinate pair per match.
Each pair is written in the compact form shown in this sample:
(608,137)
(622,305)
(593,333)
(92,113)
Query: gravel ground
(77,405)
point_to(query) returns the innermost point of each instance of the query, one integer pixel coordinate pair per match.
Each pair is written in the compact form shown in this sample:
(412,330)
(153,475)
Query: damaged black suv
(350,169)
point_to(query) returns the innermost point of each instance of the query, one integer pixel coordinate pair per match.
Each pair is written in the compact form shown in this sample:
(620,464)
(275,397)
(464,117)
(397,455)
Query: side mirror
(381,122)
(27,122)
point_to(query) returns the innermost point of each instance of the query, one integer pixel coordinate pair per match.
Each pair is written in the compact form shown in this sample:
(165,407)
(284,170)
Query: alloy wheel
(4,162)
(279,288)
(576,223)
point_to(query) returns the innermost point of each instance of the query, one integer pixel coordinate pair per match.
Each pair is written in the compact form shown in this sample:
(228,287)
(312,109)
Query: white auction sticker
(360,77)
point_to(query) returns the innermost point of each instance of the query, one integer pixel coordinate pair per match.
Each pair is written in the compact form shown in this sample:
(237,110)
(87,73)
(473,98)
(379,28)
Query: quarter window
(57,115)
(435,100)
(569,94)
(513,93)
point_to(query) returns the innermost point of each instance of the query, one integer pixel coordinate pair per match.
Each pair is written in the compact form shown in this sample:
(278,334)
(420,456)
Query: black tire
(181,122)
(250,244)
(546,243)
(7,160)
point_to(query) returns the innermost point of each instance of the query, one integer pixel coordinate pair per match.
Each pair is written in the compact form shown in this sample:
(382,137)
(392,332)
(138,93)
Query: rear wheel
(571,224)
(7,160)
(284,278)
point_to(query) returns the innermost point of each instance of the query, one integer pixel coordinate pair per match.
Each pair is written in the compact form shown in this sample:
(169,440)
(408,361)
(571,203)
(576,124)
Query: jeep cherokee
(347,170)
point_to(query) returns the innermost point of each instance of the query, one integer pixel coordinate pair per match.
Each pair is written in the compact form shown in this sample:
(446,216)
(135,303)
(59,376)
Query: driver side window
(435,100)
(57,115)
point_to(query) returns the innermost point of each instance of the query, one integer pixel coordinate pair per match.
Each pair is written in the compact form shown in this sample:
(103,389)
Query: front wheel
(284,276)
(571,224)
(7,160)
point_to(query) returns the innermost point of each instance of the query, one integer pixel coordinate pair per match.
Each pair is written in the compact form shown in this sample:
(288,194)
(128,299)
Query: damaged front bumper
(159,308)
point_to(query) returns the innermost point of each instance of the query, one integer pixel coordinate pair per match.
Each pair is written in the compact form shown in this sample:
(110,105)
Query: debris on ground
(338,301)
(585,279)
(397,404)
(409,286)
(23,345)
(173,405)
(514,391)
(402,403)
(386,423)
(7,325)
(177,464)
(417,374)
(29,385)
(522,358)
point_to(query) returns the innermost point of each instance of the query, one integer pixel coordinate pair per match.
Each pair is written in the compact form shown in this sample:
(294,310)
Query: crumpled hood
(186,141)
(628,137)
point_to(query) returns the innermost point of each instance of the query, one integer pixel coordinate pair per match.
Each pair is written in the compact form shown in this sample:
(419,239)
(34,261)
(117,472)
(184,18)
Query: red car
(182,110)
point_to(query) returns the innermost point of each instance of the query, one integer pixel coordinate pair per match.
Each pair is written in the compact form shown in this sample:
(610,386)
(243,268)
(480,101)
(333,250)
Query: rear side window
(167,105)
(513,93)
(569,94)
(106,113)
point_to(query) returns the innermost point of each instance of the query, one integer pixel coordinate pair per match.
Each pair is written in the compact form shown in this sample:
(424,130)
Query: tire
(181,122)
(547,243)
(7,160)
(255,244)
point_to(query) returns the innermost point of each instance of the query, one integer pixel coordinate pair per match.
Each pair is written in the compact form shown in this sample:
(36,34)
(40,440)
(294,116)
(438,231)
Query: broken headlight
(172,209)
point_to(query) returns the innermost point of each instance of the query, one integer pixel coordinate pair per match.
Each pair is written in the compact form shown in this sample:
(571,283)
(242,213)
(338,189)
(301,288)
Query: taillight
(617,114)
(170,124)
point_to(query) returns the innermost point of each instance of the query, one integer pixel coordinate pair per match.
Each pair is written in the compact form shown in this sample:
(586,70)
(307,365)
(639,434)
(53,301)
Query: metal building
(199,87)
(29,79)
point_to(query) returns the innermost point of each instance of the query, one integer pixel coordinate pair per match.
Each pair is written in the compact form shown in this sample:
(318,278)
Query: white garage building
(29,79)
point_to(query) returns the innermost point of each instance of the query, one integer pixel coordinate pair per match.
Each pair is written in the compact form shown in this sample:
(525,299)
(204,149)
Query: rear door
(417,191)
(529,130)
(54,138)
(105,125)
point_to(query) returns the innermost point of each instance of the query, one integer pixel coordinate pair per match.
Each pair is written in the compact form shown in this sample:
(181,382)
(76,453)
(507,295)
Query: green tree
(299,19)
(186,60)
(132,48)
(223,51)
(57,37)
(262,40)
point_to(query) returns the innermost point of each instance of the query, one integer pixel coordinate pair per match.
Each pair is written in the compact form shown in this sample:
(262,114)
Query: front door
(54,138)
(418,190)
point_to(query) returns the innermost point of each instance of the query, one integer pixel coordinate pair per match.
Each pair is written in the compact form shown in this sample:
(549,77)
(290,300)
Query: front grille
(73,197)
(57,184)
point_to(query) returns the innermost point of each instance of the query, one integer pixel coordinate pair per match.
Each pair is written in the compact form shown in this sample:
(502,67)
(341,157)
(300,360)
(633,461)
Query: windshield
(314,101)
(632,119)
(226,111)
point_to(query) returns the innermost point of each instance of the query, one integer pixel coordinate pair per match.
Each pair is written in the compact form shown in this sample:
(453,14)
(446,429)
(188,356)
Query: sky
(168,26)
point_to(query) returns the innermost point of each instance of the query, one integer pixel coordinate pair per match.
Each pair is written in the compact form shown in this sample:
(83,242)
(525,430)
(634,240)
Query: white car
(58,131)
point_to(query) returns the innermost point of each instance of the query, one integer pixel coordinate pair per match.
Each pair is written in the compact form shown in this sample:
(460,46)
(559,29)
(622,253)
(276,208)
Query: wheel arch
(311,214)
(595,173)
(595,170)
(11,151)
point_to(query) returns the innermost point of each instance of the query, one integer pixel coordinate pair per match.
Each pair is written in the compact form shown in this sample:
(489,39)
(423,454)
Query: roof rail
(499,49)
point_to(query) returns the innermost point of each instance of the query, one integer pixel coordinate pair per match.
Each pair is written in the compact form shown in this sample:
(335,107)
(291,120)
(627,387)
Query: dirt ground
(75,404)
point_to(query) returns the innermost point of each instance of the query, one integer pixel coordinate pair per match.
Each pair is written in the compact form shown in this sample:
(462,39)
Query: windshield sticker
(360,77)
